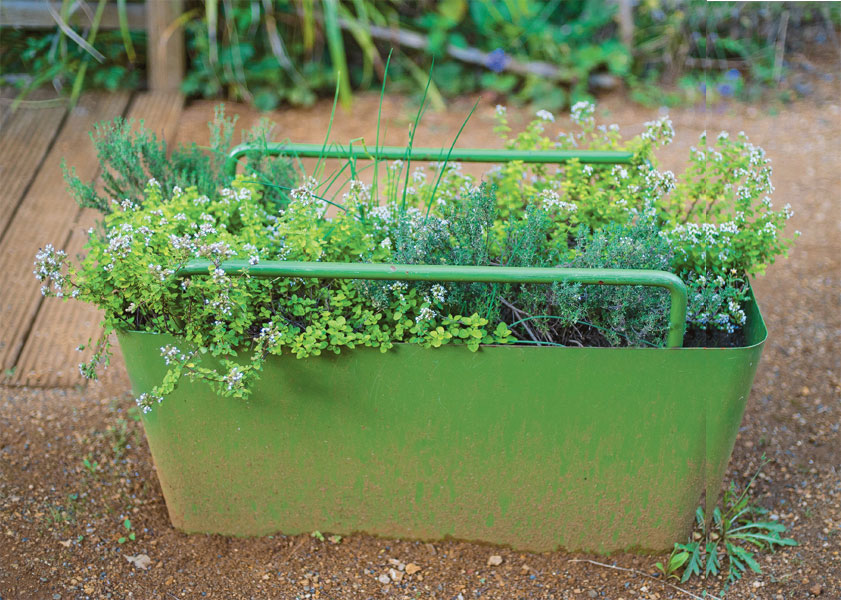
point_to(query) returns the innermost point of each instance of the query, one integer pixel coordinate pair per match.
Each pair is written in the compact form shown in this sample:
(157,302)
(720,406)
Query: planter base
(591,449)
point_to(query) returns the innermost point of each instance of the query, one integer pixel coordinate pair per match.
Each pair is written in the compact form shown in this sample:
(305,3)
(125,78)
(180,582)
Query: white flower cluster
(48,265)
(234,377)
(171,354)
(182,242)
(552,200)
(237,195)
(216,251)
(270,334)
(425,314)
(399,289)
(582,113)
(305,193)
(439,293)
(655,183)
(358,191)
(160,272)
(545,115)
(125,205)
(789,212)
(660,131)
(145,401)
(707,234)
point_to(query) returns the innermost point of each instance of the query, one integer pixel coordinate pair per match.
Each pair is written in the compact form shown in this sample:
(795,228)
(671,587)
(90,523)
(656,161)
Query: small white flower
(582,112)
(426,314)
(789,212)
(552,200)
(439,292)
(545,115)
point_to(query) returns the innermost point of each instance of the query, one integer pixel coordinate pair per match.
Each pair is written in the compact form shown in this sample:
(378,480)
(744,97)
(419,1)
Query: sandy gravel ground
(74,464)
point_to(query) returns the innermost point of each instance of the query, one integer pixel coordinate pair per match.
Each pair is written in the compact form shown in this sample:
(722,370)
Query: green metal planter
(537,448)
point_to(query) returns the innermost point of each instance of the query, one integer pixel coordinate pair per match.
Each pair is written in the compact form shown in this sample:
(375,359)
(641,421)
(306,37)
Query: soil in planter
(713,338)
(590,337)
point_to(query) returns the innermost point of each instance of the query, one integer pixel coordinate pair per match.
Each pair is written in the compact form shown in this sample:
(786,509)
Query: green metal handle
(480,155)
(381,271)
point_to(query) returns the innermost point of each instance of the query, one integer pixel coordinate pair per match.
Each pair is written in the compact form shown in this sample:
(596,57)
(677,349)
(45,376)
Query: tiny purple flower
(497,60)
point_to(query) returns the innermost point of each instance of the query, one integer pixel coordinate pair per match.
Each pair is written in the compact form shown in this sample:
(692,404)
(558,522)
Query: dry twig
(635,572)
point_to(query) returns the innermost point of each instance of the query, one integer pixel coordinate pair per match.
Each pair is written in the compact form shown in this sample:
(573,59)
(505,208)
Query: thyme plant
(130,155)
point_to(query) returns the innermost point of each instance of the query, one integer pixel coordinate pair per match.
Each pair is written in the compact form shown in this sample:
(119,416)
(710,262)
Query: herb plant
(130,155)
(225,327)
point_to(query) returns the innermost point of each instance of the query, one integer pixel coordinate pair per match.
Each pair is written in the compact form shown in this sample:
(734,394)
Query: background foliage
(552,53)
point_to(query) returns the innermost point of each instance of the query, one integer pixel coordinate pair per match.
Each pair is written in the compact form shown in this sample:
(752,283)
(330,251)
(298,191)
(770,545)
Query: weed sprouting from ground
(729,540)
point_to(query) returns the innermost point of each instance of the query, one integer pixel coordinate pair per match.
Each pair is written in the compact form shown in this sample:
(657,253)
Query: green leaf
(678,560)
(713,565)
(694,565)
(747,556)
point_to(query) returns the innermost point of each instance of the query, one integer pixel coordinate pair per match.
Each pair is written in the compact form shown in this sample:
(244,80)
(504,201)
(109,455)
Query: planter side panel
(724,414)
(593,449)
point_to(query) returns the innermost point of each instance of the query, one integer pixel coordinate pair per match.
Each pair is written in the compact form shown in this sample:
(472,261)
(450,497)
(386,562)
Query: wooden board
(49,357)
(45,215)
(34,14)
(25,137)
(165,46)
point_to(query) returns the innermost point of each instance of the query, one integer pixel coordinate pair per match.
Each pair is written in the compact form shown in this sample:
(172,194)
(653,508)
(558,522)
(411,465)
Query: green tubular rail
(326,270)
(382,271)
(478,155)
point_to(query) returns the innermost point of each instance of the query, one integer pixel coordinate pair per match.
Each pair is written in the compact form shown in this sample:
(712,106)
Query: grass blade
(337,51)
(211,16)
(435,97)
(408,154)
(80,76)
(374,190)
(308,24)
(447,160)
(327,136)
(68,31)
(124,31)
(276,43)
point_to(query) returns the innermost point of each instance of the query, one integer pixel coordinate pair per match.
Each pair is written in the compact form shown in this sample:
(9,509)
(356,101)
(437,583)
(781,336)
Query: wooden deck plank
(44,216)
(5,110)
(49,357)
(25,137)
